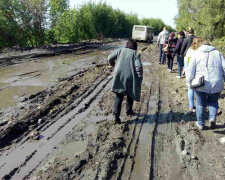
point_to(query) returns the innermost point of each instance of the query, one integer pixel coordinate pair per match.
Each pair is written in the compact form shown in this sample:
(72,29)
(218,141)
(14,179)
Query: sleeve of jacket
(176,48)
(183,47)
(159,37)
(191,70)
(112,57)
(138,66)
(223,65)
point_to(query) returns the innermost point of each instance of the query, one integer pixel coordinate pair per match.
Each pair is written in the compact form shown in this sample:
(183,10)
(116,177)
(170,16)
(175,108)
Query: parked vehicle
(143,33)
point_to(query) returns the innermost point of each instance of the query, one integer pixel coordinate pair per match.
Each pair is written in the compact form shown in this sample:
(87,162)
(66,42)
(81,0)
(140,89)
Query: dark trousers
(118,99)
(162,56)
(170,61)
(180,64)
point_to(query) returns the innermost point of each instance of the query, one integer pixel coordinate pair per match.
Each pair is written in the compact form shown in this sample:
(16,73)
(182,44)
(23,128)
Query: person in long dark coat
(127,77)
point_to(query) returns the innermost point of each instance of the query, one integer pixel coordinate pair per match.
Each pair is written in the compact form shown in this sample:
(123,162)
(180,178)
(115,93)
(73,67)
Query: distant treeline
(206,17)
(33,23)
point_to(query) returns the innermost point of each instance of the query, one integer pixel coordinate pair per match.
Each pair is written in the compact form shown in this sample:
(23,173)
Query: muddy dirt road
(67,132)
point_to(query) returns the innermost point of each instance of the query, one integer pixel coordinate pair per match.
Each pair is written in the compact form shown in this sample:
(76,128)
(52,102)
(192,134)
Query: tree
(205,16)
(32,15)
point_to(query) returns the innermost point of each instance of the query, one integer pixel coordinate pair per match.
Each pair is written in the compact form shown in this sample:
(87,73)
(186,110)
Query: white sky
(164,9)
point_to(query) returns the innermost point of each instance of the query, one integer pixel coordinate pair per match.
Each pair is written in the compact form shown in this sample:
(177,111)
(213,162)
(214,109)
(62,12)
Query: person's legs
(163,57)
(168,61)
(118,99)
(190,98)
(171,63)
(129,105)
(160,52)
(213,105)
(201,102)
(182,63)
(179,65)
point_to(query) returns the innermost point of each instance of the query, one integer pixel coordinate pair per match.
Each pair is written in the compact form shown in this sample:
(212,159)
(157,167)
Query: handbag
(200,80)
(166,49)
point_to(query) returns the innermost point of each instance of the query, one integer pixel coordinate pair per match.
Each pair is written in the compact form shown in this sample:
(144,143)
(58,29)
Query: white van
(143,33)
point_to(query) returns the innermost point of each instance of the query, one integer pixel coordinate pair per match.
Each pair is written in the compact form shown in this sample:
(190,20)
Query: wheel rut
(53,134)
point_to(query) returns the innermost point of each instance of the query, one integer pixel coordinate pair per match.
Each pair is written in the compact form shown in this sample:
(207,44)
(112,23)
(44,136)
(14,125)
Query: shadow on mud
(222,96)
(220,132)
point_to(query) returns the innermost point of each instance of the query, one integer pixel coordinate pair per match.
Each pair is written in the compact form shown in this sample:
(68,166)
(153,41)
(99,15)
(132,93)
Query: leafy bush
(38,22)
(206,17)
(220,44)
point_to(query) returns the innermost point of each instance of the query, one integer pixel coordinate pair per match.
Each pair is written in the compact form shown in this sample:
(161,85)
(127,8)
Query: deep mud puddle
(32,76)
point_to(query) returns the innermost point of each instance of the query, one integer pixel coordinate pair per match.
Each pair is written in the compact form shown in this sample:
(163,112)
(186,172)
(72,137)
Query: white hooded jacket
(210,63)
(162,37)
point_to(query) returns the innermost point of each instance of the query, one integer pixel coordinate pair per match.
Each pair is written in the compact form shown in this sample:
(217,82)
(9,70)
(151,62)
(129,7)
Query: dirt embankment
(78,139)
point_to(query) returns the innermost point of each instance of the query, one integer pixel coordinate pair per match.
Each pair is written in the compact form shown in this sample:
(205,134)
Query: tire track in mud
(153,122)
(73,103)
(51,136)
(142,144)
(135,164)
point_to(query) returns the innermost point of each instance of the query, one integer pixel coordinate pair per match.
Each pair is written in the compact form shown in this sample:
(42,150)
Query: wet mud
(67,131)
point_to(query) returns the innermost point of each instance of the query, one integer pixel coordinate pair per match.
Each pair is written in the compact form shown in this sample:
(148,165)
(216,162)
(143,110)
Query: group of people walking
(197,60)
(171,46)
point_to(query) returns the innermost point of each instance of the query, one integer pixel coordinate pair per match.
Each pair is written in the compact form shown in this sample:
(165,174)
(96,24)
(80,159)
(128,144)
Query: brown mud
(67,131)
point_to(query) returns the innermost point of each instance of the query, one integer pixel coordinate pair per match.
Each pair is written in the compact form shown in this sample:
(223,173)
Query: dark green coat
(128,72)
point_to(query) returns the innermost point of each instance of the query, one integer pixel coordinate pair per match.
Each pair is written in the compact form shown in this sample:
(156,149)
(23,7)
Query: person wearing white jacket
(162,37)
(189,56)
(210,63)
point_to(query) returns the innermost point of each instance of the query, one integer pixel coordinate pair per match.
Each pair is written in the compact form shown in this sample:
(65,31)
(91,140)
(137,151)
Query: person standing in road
(127,78)
(187,42)
(210,63)
(180,59)
(172,41)
(162,37)
(189,56)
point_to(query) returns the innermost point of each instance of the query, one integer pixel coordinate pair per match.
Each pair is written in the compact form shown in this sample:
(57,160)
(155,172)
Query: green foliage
(170,29)
(22,22)
(206,17)
(219,43)
(38,22)
(157,23)
(66,27)
(57,8)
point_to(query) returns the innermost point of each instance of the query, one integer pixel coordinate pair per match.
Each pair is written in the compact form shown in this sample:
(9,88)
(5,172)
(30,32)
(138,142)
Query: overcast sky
(164,9)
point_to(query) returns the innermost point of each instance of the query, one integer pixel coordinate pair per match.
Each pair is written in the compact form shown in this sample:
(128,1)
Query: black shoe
(190,111)
(212,124)
(219,112)
(117,119)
